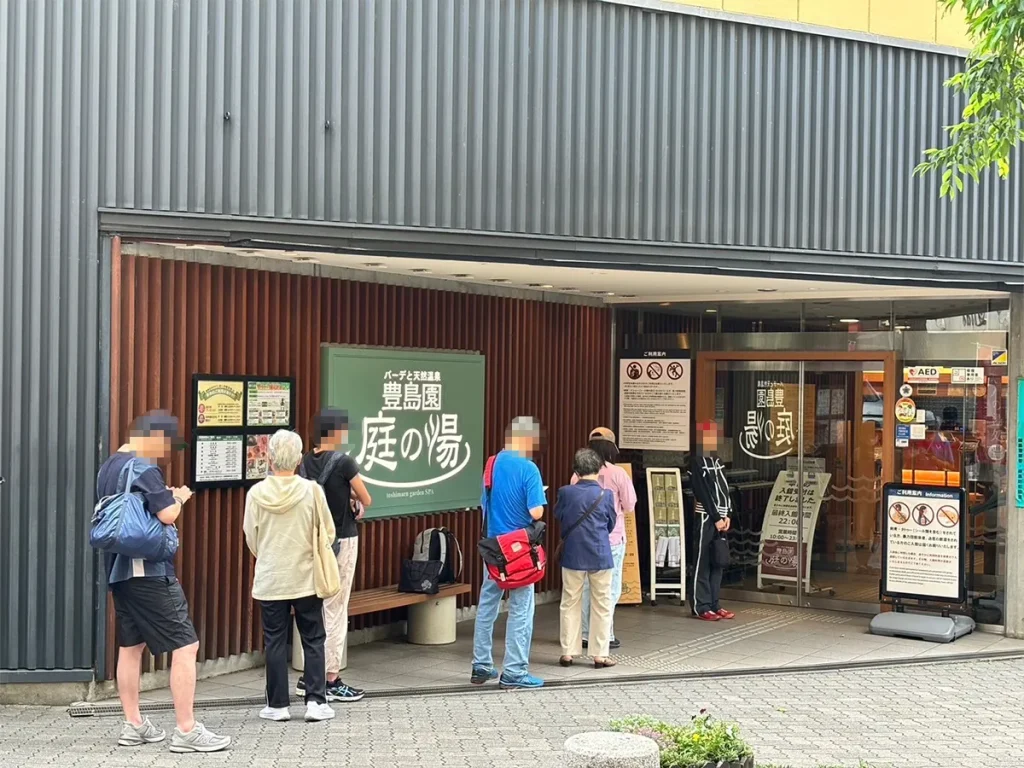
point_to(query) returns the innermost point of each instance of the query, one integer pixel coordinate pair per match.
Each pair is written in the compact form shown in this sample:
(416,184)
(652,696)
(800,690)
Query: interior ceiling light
(463,275)
(420,271)
(500,280)
(374,265)
(304,259)
(610,293)
(848,320)
(711,311)
(569,290)
(547,285)
(629,295)
(665,304)
(767,290)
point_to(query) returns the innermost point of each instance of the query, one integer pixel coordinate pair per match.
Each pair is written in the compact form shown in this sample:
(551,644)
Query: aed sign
(921,374)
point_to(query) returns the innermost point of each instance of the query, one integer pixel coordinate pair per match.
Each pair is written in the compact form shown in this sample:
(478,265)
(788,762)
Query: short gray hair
(285,449)
(587,462)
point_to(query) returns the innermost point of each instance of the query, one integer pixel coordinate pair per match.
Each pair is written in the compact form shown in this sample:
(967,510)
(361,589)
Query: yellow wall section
(776,9)
(906,19)
(837,14)
(921,20)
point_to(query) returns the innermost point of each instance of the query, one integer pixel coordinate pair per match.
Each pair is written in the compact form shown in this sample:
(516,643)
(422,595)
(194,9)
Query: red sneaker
(709,616)
(724,614)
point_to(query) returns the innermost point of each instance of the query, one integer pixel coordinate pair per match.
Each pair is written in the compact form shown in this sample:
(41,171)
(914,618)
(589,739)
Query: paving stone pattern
(967,714)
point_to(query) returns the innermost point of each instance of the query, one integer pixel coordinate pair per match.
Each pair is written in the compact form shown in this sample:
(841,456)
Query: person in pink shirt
(615,479)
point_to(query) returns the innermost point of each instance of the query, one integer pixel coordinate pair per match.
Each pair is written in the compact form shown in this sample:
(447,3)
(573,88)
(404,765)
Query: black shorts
(152,610)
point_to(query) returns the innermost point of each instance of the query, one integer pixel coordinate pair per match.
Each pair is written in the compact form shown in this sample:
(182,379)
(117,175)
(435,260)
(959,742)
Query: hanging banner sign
(923,545)
(777,558)
(654,401)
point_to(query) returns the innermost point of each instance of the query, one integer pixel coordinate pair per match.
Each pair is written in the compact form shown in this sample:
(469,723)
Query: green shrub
(704,740)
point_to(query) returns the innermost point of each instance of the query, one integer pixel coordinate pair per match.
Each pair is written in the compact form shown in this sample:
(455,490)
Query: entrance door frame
(707,368)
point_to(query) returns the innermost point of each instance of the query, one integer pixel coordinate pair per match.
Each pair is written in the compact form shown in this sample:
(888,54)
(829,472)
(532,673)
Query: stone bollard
(610,750)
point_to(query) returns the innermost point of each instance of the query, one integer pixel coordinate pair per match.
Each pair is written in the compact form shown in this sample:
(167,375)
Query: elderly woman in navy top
(586,516)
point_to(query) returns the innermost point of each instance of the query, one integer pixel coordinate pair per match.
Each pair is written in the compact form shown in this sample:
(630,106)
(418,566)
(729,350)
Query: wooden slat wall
(172,319)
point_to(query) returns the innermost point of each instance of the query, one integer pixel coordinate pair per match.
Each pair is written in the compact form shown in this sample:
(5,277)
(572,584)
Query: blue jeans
(618,556)
(518,629)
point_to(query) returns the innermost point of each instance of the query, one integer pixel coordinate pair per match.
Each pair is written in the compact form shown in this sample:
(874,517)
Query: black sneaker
(481,675)
(338,691)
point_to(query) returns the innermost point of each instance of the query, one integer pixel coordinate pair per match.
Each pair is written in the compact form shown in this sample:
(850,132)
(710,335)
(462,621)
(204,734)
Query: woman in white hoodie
(281,514)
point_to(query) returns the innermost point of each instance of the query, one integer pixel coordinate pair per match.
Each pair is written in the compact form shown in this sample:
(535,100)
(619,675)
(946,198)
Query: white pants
(571,613)
(336,608)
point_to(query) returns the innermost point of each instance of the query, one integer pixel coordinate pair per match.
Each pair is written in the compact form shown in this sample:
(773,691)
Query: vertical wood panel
(174,318)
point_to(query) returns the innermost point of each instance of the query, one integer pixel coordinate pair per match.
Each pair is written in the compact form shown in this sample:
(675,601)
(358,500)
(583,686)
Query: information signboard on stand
(923,543)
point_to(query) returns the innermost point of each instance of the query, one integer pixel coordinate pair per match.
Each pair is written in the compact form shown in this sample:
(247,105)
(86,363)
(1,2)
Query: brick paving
(963,714)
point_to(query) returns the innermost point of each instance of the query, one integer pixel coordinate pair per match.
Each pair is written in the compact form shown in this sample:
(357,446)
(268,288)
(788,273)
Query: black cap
(158,421)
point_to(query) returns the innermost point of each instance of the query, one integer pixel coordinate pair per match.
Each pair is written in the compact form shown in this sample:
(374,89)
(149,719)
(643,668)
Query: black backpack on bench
(440,545)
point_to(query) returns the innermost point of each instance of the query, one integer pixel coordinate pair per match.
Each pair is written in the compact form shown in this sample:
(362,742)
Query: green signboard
(417,424)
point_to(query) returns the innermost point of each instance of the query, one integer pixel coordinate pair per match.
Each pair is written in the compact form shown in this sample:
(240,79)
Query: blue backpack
(122,525)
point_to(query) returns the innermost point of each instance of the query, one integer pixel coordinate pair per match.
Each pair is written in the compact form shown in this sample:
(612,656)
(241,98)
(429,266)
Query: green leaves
(993,84)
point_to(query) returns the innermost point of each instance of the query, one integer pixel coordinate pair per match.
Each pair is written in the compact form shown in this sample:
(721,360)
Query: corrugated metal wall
(177,318)
(566,117)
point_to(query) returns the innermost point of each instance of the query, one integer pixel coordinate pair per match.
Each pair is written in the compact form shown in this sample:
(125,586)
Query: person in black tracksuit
(713,512)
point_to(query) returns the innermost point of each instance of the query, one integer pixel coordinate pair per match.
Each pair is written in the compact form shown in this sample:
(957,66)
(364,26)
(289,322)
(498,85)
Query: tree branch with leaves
(992,123)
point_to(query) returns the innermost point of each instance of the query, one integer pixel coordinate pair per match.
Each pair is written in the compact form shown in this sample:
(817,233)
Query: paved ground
(965,714)
(662,639)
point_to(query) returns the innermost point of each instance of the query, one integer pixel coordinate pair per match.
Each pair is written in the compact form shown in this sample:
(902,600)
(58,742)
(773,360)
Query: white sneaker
(277,714)
(317,712)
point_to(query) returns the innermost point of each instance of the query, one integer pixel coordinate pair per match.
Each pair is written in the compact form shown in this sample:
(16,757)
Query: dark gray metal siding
(560,117)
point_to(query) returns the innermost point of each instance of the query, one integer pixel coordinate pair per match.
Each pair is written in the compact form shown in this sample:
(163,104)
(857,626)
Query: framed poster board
(233,418)
(925,530)
(417,424)
(668,550)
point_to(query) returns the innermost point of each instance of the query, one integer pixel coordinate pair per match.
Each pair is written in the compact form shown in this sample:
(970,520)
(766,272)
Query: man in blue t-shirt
(516,500)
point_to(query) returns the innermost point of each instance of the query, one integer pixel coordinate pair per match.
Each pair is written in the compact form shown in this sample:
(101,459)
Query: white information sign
(967,376)
(219,458)
(654,402)
(777,558)
(923,556)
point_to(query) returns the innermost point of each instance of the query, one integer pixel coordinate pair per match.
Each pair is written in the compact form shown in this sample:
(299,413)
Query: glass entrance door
(804,440)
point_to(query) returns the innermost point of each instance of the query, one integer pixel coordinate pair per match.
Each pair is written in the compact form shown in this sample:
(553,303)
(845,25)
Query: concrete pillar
(1015,514)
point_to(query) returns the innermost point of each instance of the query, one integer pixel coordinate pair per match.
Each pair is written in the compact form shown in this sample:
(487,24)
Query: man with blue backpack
(135,515)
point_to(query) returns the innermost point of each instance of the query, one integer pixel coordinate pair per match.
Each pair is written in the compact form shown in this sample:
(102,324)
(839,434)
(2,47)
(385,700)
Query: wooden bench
(432,618)
(388,598)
